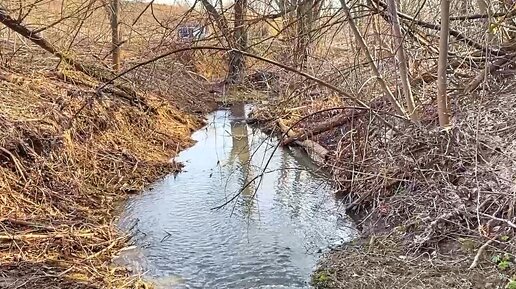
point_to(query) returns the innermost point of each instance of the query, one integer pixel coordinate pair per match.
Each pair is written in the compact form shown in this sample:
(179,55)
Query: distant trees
(306,21)
(310,36)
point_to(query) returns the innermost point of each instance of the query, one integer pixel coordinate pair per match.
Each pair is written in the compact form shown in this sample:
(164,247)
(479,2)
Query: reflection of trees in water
(290,182)
(241,151)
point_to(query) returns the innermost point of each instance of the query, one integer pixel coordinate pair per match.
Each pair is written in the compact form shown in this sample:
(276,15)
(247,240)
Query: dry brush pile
(436,206)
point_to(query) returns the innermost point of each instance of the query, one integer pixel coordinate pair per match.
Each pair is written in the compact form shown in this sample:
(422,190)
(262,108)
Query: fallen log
(334,122)
(324,126)
(316,151)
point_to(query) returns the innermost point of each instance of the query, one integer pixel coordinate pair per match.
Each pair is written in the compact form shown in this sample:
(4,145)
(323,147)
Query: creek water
(270,236)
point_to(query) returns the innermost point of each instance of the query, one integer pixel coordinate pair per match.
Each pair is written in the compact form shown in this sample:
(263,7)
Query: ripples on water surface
(270,237)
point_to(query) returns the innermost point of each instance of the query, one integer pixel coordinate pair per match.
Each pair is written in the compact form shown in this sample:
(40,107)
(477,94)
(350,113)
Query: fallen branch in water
(316,151)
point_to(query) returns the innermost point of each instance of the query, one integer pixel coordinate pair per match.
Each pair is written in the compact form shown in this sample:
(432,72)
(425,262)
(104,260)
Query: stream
(270,236)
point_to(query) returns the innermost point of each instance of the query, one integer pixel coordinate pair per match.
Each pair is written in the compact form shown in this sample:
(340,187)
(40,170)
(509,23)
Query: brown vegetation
(69,154)
(68,157)
(428,176)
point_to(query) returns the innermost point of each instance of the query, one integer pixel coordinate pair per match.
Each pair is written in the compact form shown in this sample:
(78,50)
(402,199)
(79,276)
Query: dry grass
(67,158)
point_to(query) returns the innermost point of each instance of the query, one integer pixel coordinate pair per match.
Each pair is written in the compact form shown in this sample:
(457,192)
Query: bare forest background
(407,103)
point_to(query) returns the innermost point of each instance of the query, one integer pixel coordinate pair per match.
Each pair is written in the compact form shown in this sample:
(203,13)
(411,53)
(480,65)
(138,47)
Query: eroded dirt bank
(436,208)
(67,157)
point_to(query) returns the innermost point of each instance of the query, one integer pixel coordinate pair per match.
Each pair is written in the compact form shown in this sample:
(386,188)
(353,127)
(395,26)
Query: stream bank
(435,208)
(67,158)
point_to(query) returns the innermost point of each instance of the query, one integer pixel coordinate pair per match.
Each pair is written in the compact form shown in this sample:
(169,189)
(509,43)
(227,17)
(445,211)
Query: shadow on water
(269,237)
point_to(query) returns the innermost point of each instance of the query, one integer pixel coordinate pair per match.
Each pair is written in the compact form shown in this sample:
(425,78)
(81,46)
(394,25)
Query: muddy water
(270,236)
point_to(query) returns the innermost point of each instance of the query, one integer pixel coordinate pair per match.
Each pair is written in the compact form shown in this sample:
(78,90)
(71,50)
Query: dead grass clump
(67,157)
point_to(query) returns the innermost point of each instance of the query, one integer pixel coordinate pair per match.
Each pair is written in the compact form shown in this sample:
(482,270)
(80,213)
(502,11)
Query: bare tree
(305,19)
(114,13)
(236,59)
(237,38)
(442,96)
(220,22)
(369,57)
(402,61)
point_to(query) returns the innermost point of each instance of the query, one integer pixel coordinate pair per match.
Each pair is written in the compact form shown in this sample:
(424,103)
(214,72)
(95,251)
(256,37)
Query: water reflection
(270,237)
(240,152)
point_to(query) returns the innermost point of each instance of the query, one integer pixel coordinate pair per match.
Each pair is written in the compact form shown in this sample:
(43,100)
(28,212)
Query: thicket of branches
(368,49)
(416,69)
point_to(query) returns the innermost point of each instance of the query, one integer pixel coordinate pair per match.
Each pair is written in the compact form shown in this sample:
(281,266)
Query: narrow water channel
(270,236)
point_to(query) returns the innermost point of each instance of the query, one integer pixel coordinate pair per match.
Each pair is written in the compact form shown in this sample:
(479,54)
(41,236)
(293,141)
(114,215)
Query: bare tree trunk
(361,42)
(115,33)
(220,20)
(236,59)
(402,61)
(443,106)
(304,35)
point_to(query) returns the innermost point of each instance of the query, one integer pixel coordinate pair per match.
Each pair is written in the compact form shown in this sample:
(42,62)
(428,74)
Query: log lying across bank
(316,151)
(324,126)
